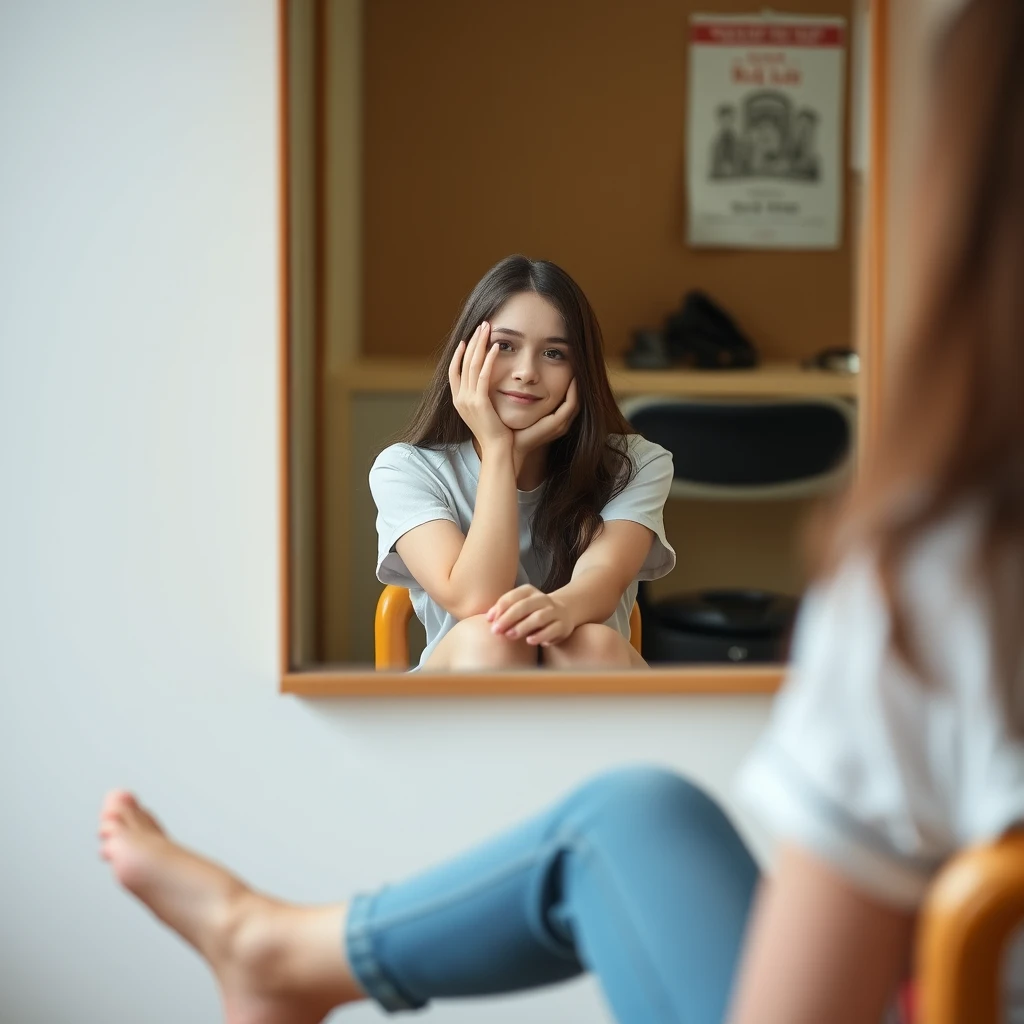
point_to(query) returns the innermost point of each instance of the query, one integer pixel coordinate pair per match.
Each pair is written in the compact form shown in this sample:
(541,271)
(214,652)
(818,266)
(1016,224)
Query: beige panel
(375,419)
(343,142)
(344,166)
(561,136)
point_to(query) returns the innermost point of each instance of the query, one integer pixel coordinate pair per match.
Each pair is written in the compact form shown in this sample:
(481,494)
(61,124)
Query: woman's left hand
(547,428)
(529,613)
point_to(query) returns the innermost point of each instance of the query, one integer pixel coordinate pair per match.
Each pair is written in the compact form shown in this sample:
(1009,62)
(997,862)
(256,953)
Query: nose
(526,369)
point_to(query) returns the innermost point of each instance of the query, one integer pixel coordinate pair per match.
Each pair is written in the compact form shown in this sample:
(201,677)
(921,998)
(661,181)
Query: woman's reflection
(519,508)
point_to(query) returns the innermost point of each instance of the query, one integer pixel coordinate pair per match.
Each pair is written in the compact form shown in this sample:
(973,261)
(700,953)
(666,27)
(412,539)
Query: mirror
(421,144)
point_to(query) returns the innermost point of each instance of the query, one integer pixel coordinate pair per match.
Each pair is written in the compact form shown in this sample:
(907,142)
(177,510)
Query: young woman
(897,740)
(519,509)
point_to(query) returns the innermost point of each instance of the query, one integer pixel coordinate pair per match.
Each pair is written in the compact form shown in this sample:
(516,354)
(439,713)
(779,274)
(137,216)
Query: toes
(138,817)
(116,801)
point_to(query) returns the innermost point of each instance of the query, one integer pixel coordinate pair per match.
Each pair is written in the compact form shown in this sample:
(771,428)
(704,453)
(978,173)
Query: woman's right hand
(470,380)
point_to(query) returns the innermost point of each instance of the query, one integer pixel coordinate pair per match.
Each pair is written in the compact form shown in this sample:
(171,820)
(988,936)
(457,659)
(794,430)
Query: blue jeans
(637,876)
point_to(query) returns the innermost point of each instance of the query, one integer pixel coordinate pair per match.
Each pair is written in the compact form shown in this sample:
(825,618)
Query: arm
(604,571)
(467,573)
(599,579)
(819,949)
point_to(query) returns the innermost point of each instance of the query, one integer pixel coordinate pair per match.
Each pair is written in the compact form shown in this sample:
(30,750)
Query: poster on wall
(765,131)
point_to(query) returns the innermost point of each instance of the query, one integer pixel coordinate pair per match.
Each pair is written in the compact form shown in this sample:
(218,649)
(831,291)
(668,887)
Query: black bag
(703,335)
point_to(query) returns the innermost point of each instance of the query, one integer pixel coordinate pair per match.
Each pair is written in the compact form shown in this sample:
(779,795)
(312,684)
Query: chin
(522,418)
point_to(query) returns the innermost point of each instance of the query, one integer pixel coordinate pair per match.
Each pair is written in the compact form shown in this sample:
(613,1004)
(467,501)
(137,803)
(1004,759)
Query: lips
(521,397)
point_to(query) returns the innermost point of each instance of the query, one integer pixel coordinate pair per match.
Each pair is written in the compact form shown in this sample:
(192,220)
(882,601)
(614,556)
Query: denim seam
(467,891)
(585,848)
(364,963)
(359,939)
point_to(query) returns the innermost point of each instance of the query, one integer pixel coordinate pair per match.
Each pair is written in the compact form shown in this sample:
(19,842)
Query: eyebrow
(519,334)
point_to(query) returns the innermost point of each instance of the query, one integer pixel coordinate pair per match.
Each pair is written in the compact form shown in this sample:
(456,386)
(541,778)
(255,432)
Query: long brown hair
(952,429)
(587,466)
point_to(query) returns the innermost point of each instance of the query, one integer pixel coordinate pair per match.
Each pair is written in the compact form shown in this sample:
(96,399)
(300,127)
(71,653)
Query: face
(533,360)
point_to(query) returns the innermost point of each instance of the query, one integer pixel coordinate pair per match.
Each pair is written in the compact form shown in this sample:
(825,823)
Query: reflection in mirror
(426,142)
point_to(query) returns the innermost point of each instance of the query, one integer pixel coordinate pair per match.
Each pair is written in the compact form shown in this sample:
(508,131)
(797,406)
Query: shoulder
(641,452)
(938,567)
(935,580)
(843,642)
(405,472)
(407,457)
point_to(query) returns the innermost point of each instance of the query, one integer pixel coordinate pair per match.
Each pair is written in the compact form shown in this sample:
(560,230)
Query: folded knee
(478,647)
(596,645)
(644,790)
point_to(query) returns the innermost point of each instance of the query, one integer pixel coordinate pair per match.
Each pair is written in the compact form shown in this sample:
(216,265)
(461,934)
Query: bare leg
(470,645)
(592,645)
(275,963)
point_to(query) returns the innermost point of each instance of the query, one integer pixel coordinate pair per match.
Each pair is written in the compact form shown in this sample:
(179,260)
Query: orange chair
(394,610)
(972,911)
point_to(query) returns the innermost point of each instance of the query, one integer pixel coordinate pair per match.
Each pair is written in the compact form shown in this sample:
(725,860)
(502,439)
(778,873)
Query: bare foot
(275,963)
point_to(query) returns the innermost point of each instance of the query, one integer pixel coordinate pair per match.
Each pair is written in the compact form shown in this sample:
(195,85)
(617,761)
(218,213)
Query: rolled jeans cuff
(363,962)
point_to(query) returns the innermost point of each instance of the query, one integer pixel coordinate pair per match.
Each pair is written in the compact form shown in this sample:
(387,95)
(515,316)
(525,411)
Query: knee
(475,646)
(597,644)
(636,793)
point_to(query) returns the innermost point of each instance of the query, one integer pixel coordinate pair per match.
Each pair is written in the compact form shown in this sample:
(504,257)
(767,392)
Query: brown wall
(556,128)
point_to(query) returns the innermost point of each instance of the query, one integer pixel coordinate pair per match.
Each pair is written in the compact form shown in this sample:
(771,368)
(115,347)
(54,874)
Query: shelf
(781,379)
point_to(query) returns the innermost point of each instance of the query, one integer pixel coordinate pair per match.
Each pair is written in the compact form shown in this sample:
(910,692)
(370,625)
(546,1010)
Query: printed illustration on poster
(764,141)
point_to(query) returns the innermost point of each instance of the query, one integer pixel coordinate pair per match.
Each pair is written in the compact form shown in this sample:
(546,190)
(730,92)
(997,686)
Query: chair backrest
(972,912)
(391,622)
(751,448)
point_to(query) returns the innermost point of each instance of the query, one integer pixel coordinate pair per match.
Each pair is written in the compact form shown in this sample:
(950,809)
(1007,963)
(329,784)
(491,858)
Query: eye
(555,353)
(503,346)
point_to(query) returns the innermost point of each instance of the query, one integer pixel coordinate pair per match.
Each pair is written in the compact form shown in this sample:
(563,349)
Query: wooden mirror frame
(709,680)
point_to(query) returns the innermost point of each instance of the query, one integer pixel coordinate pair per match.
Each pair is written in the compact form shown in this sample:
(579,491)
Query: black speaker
(762,449)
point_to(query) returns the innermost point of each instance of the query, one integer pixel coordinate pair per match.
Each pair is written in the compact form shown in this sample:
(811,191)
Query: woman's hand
(530,613)
(547,428)
(470,381)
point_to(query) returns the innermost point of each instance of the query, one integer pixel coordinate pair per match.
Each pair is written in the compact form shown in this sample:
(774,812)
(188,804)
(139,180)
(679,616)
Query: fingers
(572,397)
(455,368)
(509,598)
(475,354)
(569,407)
(484,381)
(550,634)
(510,621)
(538,619)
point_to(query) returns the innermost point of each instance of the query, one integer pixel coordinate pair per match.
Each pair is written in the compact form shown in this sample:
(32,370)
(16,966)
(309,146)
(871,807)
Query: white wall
(138,531)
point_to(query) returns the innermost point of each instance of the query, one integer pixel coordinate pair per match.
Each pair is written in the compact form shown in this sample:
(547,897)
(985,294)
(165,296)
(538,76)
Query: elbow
(478,600)
(468,598)
(468,605)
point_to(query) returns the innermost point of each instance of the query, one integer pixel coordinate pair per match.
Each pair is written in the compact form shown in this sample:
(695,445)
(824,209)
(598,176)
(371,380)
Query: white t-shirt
(882,774)
(412,486)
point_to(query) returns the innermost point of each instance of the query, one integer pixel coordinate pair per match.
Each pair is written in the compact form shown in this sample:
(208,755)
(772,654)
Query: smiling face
(533,367)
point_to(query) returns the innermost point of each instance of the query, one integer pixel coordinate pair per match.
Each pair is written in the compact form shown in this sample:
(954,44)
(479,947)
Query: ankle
(253,938)
(289,950)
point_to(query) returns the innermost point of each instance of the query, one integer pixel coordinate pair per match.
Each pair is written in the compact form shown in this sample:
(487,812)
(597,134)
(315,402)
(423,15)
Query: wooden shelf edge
(709,681)
(787,379)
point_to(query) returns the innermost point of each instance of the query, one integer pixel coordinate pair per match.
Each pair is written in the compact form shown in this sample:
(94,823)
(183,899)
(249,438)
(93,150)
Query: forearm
(489,560)
(592,595)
